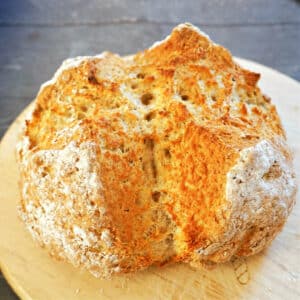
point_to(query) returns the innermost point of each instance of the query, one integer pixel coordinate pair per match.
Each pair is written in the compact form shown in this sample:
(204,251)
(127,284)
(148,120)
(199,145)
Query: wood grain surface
(274,273)
(35,36)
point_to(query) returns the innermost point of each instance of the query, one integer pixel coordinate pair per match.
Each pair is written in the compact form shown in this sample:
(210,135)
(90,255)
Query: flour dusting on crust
(172,154)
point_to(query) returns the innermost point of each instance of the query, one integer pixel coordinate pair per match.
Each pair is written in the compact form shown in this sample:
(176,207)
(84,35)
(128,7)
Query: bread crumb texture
(172,154)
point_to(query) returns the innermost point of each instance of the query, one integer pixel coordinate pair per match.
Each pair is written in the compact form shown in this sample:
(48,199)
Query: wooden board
(275,273)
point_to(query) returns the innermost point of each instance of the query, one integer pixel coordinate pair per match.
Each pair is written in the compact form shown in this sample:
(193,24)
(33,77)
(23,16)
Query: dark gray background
(35,36)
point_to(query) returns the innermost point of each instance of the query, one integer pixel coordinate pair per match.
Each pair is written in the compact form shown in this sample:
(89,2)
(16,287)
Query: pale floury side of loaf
(172,154)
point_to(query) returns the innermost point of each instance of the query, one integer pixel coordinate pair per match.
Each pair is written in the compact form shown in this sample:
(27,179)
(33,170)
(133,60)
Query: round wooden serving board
(273,274)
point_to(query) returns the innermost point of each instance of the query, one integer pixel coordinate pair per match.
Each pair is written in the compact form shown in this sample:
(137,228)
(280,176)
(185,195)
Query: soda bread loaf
(169,155)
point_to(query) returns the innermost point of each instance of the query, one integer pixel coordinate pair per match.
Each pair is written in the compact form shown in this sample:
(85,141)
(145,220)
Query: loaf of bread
(169,155)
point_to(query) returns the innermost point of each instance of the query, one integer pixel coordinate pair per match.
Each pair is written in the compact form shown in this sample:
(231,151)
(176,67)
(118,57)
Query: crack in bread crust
(172,154)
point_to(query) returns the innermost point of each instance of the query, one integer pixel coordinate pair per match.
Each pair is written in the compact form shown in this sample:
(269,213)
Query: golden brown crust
(125,162)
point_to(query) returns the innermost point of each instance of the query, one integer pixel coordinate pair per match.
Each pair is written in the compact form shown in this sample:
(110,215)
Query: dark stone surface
(35,36)
(221,12)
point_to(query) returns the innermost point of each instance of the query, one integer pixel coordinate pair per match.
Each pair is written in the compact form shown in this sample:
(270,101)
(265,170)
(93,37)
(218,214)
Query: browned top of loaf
(168,123)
